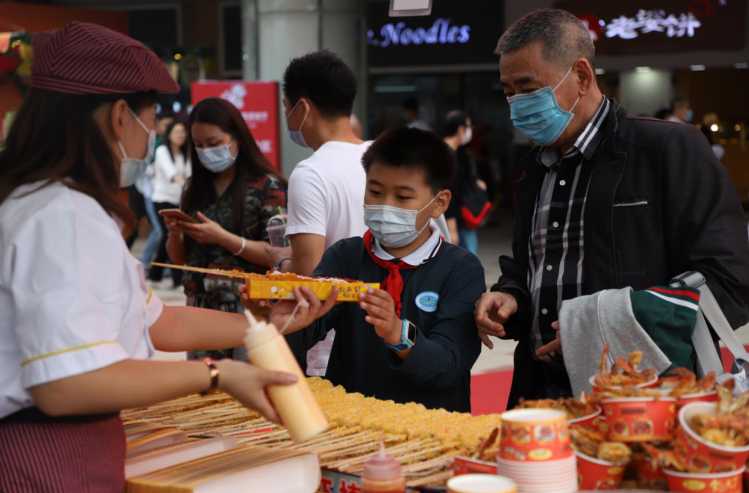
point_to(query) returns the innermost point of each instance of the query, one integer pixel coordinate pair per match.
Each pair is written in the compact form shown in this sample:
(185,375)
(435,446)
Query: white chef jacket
(72,297)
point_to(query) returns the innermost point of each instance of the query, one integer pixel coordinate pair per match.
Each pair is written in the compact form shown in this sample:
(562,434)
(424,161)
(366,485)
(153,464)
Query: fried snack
(624,373)
(729,427)
(616,452)
(682,381)
(574,408)
(593,443)
(663,455)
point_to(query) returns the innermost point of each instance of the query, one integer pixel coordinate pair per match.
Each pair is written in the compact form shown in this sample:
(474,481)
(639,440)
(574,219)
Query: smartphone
(178,214)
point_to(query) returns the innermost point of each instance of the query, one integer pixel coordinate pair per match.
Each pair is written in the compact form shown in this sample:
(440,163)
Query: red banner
(258,103)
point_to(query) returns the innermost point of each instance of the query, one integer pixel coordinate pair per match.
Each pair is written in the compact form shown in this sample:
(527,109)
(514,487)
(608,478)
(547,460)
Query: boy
(415,339)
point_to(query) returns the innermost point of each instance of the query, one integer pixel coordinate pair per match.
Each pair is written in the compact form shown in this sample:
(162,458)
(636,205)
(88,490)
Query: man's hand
(381,314)
(549,351)
(492,312)
(206,232)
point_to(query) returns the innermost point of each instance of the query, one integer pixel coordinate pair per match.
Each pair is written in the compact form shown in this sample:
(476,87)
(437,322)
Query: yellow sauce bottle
(295,404)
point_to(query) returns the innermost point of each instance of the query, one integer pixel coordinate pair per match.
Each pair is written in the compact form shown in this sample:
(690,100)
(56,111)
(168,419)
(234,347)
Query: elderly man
(605,201)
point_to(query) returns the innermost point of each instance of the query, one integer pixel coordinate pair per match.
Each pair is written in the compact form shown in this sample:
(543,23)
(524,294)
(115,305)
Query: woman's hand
(173,226)
(248,384)
(206,232)
(290,316)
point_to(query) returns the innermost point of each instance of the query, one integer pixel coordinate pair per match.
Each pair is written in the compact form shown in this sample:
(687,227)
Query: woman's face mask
(538,114)
(131,168)
(216,159)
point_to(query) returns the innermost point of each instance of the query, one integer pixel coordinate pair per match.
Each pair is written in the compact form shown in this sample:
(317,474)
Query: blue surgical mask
(690,116)
(538,114)
(393,227)
(132,168)
(216,159)
(297,136)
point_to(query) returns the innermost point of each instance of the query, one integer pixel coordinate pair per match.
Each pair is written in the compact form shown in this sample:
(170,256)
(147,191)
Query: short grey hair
(564,37)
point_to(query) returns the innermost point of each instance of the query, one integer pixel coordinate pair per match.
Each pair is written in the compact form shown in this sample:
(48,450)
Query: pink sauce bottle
(383,474)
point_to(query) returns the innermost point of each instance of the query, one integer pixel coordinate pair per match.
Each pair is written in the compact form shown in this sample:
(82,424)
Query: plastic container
(597,474)
(640,419)
(481,483)
(383,474)
(723,482)
(701,454)
(535,435)
(276,229)
(295,404)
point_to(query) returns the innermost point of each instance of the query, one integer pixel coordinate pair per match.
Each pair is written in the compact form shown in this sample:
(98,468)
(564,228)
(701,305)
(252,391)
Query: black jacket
(437,372)
(680,213)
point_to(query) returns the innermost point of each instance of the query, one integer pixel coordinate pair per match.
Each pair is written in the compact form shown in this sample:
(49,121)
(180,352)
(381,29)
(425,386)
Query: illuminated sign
(441,33)
(455,33)
(650,21)
(640,27)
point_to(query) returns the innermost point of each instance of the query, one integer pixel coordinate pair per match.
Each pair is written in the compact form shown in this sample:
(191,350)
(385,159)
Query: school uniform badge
(427,301)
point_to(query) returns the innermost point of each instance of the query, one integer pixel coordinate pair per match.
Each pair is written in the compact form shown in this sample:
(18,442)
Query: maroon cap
(84,58)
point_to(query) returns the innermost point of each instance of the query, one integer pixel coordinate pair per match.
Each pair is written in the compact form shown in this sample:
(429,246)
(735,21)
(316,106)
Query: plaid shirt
(556,249)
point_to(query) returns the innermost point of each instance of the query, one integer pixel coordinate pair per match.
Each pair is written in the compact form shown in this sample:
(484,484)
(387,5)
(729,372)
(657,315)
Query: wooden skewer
(202,270)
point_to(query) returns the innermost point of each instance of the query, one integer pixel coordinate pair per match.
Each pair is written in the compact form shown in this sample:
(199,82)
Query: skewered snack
(593,443)
(574,408)
(624,372)
(424,441)
(281,285)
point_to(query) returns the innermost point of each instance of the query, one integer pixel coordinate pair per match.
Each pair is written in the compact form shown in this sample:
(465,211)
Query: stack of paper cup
(536,452)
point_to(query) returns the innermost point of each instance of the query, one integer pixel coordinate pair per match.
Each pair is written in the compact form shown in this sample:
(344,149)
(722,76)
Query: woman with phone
(233,193)
(79,325)
(172,167)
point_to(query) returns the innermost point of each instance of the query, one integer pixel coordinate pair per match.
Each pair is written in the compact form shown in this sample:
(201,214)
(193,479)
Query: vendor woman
(78,324)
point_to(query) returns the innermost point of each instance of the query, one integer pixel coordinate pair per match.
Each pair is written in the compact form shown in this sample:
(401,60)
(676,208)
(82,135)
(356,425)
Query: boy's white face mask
(394,227)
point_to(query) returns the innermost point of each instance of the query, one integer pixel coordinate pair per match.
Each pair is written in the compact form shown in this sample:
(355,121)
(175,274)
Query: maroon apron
(82,454)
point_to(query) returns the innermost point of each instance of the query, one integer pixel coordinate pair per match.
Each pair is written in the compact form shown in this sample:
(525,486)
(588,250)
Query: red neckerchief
(393,282)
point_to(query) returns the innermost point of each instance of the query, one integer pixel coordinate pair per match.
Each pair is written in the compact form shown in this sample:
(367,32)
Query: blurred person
(80,326)
(172,169)
(411,113)
(357,127)
(232,194)
(470,202)
(606,201)
(710,126)
(326,190)
(163,122)
(681,111)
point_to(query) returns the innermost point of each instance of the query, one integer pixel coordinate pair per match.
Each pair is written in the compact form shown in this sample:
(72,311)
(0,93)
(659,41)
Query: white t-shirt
(171,174)
(72,297)
(326,193)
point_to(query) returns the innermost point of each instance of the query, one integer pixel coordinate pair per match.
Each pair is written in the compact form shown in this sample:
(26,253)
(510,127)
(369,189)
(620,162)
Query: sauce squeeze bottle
(296,405)
(383,474)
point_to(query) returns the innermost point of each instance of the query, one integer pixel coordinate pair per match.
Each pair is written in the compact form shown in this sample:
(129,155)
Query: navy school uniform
(438,298)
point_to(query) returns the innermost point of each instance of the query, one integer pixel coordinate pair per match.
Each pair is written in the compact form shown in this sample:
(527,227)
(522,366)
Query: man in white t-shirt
(326,191)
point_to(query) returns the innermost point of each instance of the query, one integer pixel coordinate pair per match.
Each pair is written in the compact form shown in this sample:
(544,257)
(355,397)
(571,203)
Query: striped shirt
(556,249)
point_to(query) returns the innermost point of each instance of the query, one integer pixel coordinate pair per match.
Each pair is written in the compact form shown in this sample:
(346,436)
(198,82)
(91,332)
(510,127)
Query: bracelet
(241,247)
(279,264)
(214,374)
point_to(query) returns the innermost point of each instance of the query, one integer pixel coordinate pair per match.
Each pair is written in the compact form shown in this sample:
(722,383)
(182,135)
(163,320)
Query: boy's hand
(381,314)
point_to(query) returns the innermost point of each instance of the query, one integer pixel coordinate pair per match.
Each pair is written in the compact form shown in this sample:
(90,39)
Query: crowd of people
(605,201)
